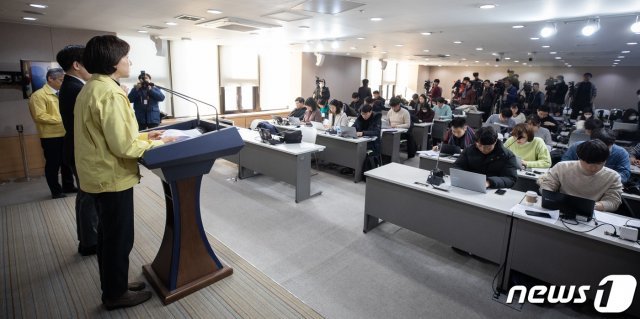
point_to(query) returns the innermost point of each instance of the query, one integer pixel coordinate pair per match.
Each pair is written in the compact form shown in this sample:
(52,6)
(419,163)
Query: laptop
(468,180)
(348,131)
(265,136)
(570,207)
(317,125)
(294,120)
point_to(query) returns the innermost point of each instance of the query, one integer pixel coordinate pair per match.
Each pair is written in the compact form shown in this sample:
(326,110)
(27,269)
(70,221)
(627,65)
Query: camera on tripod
(527,87)
(318,80)
(572,88)
(498,88)
(427,85)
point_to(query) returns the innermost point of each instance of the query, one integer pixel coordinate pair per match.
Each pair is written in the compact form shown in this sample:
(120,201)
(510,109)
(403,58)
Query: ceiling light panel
(327,6)
(287,16)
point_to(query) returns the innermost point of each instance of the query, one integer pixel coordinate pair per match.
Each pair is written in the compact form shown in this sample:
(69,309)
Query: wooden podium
(186,262)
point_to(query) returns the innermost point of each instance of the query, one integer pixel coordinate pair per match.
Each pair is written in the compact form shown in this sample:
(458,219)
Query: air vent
(327,6)
(433,56)
(287,16)
(33,12)
(236,24)
(155,27)
(189,18)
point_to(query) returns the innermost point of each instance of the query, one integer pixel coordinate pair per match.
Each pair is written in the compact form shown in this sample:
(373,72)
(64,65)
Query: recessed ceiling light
(447,55)
(426,59)
(143,31)
(170,23)
(479,49)
(303,27)
(348,53)
(615,63)
(384,52)
(616,60)
(546,46)
(620,56)
(360,38)
(426,33)
(425,50)
(439,64)
(39,6)
(464,59)
(553,52)
(507,58)
(487,63)
(476,61)
(534,38)
(487,6)
(632,43)
(214,11)
(548,30)
(626,51)
(353,48)
(457,42)
(558,58)
(519,26)
(29,18)
(516,61)
(399,45)
(524,63)
(335,44)
(376,19)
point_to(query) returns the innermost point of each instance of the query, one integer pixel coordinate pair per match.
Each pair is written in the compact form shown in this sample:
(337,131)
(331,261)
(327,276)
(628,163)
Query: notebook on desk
(468,180)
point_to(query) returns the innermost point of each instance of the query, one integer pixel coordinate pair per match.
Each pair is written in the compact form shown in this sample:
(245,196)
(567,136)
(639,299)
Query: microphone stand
(437,176)
(192,100)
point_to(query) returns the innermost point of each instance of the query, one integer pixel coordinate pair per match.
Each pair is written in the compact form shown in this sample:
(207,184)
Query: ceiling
(397,37)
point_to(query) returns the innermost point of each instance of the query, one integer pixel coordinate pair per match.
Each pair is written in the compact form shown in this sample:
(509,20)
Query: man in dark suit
(70,59)
(364,91)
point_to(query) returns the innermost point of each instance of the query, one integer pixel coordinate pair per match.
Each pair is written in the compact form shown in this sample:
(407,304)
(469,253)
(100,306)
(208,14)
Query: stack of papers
(180,134)
(429,153)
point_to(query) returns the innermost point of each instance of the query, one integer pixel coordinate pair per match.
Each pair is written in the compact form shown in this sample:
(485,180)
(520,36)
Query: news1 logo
(614,294)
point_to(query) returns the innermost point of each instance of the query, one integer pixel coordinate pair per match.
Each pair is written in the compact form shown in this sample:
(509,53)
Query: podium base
(168,297)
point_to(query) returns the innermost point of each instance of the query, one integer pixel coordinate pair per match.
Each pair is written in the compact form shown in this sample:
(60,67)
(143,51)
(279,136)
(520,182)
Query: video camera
(427,85)
(572,88)
(527,87)
(498,88)
(318,80)
(145,83)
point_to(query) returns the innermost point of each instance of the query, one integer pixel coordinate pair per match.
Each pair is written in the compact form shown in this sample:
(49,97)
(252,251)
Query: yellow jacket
(45,112)
(107,142)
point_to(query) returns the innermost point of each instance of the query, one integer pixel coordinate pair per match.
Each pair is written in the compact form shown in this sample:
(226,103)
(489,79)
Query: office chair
(474,119)
(309,135)
(438,129)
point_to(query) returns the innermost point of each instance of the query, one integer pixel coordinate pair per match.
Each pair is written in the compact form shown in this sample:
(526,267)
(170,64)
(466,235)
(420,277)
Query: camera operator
(583,97)
(468,96)
(364,91)
(535,99)
(557,98)
(145,98)
(436,90)
(477,86)
(485,101)
(510,93)
(322,91)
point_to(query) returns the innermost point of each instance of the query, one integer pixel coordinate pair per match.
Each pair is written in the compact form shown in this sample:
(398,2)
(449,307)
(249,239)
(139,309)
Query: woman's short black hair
(486,135)
(506,112)
(593,151)
(458,122)
(310,102)
(68,55)
(103,53)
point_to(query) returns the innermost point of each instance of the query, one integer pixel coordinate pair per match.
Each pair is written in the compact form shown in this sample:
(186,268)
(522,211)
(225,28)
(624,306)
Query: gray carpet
(43,276)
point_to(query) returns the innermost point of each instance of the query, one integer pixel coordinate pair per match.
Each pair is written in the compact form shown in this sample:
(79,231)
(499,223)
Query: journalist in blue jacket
(145,98)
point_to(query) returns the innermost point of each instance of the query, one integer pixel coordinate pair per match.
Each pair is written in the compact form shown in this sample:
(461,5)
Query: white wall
(616,86)
(143,57)
(280,77)
(194,69)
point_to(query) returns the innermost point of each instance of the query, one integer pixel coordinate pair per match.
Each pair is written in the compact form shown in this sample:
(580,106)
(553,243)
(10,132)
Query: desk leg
(303,178)
(361,155)
(395,153)
(370,222)
(244,172)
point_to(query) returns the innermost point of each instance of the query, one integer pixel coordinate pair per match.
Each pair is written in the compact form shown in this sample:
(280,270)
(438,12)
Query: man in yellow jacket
(43,105)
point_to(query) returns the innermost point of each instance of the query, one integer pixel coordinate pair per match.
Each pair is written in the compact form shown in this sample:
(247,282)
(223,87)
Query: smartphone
(537,214)
(501,192)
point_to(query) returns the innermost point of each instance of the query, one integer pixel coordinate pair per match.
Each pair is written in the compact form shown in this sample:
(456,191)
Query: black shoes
(61,195)
(128,299)
(87,251)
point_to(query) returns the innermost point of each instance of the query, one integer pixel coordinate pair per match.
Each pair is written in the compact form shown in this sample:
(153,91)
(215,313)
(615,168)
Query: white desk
(559,256)
(348,152)
(290,163)
(450,217)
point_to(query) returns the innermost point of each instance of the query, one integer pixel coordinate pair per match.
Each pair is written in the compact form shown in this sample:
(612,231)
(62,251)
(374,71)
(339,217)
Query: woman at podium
(107,146)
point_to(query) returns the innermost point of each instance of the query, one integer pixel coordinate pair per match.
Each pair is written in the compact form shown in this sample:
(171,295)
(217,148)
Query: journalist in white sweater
(587,177)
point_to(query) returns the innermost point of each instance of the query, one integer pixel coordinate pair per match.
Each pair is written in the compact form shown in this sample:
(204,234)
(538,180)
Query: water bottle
(338,130)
